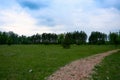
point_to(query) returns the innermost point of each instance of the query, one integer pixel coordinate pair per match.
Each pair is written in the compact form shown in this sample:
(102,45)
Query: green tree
(67,41)
(9,41)
(44,38)
(4,38)
(97,38)
(23,40)
(36,39)
(79,37)
(114,38)
(60,38)
(12,37)
(82,37)
(76,37)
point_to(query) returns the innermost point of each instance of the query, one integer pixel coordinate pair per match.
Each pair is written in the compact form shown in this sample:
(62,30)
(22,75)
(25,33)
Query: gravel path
(80,69)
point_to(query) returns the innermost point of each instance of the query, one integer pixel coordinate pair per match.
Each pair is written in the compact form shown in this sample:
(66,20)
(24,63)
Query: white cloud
(20,22)
(66,15)
(105,20)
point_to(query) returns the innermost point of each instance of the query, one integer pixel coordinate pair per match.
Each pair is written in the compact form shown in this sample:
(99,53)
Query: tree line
(76,37)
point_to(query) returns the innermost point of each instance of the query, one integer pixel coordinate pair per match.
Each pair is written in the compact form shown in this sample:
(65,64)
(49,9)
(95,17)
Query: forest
(76,37)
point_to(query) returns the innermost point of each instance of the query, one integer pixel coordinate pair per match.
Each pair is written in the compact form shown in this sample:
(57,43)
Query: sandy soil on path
(80,69)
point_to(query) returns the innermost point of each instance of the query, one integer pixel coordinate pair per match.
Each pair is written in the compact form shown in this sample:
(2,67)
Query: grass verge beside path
(35,62)
(109,69)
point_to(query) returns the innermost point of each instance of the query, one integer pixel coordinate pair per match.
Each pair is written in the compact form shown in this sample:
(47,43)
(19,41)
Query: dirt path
(80,69)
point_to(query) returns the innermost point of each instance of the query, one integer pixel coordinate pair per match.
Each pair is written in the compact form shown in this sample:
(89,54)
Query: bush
(66,42)
(66,46)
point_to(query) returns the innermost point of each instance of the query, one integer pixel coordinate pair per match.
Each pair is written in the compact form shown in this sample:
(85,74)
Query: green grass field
(109,69)
(36,62)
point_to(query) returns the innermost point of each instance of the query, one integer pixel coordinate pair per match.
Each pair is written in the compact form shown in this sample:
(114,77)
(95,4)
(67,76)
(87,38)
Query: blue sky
(29,17)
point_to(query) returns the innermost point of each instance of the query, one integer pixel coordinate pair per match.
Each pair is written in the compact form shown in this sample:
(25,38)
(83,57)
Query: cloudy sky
(28,17)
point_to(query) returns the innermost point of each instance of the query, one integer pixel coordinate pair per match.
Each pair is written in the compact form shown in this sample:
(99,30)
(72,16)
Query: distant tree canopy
(114,38)
(48,38)
(76,37)
(67,40)
(97,38)
(80,37)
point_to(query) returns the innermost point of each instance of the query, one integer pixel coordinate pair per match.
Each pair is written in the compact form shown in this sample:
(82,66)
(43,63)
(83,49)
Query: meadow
(108,69)
(37,62)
